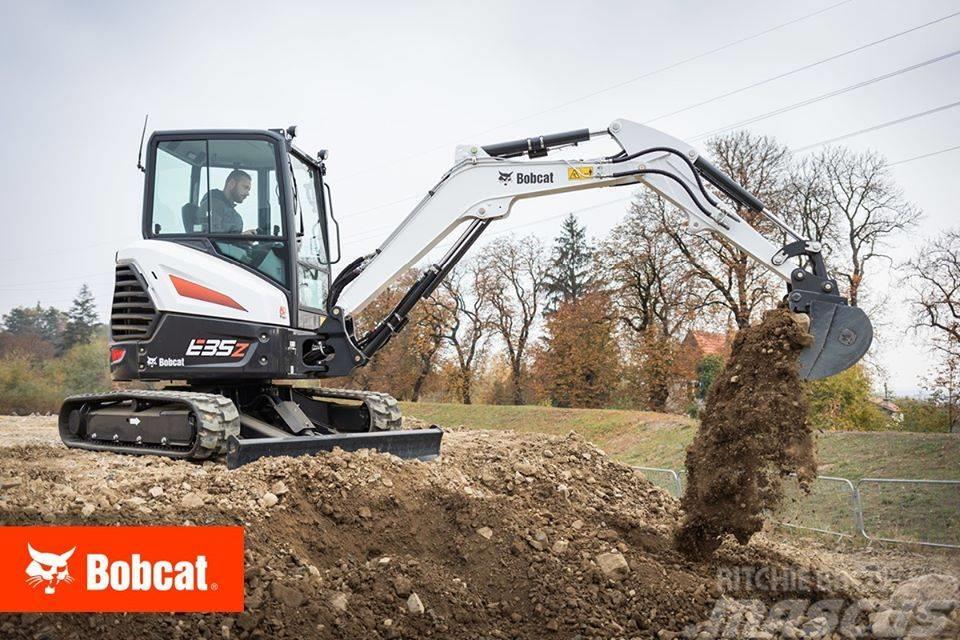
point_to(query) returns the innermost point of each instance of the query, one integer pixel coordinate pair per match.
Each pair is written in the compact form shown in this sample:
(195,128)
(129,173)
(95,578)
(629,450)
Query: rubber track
(217,420)
(384,410)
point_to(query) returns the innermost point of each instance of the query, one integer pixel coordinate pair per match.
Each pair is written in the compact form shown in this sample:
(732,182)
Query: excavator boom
(486,181)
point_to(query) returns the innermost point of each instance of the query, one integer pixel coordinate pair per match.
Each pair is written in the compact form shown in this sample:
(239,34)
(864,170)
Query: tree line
(47,354)
(601,323)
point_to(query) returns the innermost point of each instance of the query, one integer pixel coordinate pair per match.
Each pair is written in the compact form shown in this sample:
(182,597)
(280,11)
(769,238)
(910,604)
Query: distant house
(694,347)
(890,409)
(698,344)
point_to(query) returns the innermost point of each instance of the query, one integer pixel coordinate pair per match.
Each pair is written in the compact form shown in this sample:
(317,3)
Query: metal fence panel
(896,510)
(925,512)
(664,478)
(831,506)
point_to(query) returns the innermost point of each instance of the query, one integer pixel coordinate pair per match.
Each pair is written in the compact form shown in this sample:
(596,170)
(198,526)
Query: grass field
(659,440)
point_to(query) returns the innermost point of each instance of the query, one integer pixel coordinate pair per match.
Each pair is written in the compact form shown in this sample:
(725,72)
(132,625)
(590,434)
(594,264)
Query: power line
(372,233)
(825,96)
(884,125)
(379,206)
(805,67)
(642,76)
(730,93)
(843,137)
(925,155)
(597,206)
(669,66)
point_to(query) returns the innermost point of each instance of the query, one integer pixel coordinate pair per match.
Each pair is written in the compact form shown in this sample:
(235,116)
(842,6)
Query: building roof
(886,405)
(707,342)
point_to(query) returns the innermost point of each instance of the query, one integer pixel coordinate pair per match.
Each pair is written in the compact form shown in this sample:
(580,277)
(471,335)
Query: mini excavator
(229,301)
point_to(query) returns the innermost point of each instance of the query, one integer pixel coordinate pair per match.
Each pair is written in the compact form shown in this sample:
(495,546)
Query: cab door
(313,265)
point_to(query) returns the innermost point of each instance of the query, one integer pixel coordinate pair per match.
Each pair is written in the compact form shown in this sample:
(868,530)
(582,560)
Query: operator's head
(237,186)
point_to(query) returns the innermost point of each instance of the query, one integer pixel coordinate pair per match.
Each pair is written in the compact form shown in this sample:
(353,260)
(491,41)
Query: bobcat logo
(505,177)
(50,568)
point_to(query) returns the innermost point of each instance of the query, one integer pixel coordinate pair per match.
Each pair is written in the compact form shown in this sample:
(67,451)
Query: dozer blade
(422,444)
(841,336)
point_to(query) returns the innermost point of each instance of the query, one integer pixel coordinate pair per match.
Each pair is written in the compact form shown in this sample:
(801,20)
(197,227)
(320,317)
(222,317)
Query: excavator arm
(485,183)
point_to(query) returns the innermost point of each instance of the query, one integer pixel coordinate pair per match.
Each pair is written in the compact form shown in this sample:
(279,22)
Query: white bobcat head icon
(50,568)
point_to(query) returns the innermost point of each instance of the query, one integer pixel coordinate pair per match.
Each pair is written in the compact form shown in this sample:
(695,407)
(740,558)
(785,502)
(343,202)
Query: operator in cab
(223,213)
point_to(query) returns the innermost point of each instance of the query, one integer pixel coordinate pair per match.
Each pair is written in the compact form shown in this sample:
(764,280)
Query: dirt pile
(753,431)
(507,536)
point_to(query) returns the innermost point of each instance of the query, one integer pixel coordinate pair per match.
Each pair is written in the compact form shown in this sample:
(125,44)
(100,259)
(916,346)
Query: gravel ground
(507,536)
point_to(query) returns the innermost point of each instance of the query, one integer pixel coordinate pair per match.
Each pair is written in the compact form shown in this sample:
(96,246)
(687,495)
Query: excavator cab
(250,198)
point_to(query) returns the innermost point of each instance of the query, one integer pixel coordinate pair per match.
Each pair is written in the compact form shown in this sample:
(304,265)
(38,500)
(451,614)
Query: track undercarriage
(243,422)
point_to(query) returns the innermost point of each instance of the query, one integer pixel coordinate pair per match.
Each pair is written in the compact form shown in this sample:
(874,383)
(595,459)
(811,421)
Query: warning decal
(579,173)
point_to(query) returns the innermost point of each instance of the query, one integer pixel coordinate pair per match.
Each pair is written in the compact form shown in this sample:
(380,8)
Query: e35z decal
(212,347)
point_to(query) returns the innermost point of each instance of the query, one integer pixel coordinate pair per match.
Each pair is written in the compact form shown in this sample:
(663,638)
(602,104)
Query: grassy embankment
(658,440)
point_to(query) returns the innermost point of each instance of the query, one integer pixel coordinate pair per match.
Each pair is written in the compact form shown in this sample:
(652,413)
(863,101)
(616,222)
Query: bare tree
(431,323)
(403,367)
(466,297)
(934,275)
(517,289)
(808,204)
(742,285)
(654,285)
(860,209)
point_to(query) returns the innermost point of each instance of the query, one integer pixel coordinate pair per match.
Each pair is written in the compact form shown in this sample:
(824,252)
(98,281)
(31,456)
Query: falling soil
(508,535)
(753,431)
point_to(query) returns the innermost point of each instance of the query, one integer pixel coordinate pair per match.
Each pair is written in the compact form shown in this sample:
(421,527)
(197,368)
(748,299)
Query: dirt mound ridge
(753,431)
(507,536)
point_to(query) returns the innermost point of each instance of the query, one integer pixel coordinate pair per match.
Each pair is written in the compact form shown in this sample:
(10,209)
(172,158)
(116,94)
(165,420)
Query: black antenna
(142,136)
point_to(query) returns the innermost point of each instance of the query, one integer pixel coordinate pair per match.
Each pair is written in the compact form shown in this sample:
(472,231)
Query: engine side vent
(133,314)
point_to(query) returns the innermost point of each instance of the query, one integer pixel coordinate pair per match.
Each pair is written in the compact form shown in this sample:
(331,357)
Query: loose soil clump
(753,431)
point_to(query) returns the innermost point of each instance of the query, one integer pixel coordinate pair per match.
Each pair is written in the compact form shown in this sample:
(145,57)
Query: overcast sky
(390,88)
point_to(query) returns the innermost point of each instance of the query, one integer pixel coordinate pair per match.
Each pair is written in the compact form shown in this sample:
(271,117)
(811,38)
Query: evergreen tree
(570,274)
(82,320)
(47,323)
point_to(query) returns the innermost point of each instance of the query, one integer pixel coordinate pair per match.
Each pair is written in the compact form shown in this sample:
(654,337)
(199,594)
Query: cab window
(227,191)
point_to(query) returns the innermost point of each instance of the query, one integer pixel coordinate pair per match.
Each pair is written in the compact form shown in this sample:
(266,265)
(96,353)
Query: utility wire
(642,76)
(884,125)
(669,66)
(582,209)
(356,239)
(807,147)
(730,93)
(805,67)
(354,214)
(825,96)
(925,155)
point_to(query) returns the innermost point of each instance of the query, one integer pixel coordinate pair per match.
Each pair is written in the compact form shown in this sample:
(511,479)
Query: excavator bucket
(841,336)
